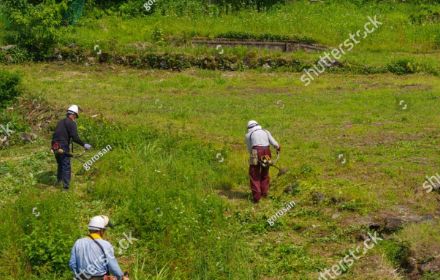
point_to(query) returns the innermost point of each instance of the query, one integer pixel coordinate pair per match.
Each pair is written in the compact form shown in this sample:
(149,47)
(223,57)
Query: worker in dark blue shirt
(66,131)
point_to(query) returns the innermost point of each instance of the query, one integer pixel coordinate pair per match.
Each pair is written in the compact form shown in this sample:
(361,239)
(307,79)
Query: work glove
(87,146)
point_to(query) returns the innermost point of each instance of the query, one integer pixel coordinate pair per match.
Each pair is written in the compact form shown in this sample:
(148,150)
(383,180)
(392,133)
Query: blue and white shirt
(87,259)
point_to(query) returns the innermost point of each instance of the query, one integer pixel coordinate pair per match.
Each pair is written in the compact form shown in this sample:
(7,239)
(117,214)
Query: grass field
(165,181)
(357,147)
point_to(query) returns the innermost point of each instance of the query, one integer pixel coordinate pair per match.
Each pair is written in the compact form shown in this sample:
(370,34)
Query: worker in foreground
(258,142)
(93,257)
(65,131)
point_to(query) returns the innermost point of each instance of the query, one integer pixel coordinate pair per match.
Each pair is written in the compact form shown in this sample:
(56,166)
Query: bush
(34,27)
(9,90)
(403,66)
(15,55)
(47,252)
(49,233)
(407,66)
(260,5)
(189,7)
(425,15)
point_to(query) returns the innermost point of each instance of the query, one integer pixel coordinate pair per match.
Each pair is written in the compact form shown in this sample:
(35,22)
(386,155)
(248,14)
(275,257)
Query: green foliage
(9,88)
(34,27)
(74,11)
(174,217)
(49,254)
(262,37)
(426,15)
(49,230)
(189,7)
(409,66)
(403,66)
(15,55)
(157,35)
(397,252)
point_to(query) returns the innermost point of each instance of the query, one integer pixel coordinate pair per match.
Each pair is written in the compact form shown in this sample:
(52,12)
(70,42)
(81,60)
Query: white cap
(99,222)
(251,124)
(73,109)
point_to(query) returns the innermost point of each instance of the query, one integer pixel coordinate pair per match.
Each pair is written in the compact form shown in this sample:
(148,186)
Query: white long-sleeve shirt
(257,136)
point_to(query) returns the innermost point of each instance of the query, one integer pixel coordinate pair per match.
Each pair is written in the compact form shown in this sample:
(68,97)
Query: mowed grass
(195,115)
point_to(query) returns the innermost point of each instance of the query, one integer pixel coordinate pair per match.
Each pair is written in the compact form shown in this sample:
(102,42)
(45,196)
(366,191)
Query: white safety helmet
(252,124)
(99,222)
(73,109)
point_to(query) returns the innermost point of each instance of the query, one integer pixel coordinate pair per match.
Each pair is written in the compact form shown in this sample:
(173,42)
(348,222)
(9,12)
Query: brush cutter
(266,161)
(75,156)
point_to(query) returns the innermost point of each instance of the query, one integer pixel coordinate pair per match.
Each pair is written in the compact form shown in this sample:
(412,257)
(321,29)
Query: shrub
(15,55)
(49,233)
(425,15)
(189,7)
(47,252)
(9,89)
(403,66)
(34,27)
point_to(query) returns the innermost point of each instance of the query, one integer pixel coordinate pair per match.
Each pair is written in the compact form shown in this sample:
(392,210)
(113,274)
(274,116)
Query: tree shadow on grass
(230,194)
(225,189)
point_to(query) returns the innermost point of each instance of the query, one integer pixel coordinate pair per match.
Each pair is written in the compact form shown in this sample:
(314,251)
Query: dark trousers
(259,176)
(64,167)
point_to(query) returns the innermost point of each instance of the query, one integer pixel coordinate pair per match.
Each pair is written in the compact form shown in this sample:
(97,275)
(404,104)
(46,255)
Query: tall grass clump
(9,88)
(37,234)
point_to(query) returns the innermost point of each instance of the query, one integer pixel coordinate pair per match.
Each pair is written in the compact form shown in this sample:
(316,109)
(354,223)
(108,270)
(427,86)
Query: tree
(34,26)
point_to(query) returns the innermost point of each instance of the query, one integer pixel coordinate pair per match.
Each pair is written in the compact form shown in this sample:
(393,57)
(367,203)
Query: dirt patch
(413,87)
(37,112)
